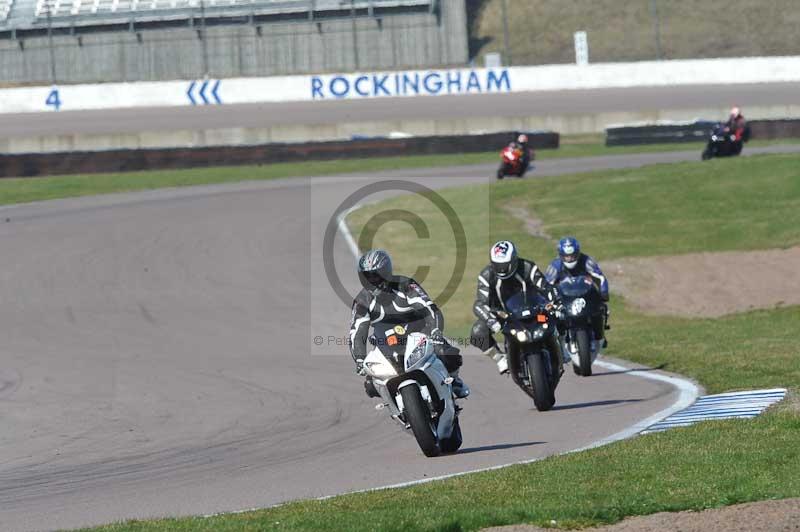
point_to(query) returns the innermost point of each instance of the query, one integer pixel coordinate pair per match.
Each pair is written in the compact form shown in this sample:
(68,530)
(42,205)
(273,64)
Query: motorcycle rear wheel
(543,396)
(419,417)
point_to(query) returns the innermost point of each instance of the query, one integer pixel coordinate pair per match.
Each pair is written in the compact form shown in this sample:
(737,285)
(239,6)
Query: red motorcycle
(513,163)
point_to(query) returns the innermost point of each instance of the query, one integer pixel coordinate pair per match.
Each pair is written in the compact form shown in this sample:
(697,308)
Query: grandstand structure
(72,41)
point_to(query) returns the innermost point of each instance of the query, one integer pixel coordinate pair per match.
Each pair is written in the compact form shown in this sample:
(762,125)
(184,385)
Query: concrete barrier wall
(566,124)
(74,162)
(401,84)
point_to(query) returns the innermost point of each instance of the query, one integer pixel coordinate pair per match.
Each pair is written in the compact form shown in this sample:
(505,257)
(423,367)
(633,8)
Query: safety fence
(45,164)
(697,131)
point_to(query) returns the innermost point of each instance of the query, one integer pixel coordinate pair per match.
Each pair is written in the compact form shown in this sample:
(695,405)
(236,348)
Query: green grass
(750,203)
(541,31)
(705,466)
(708,465)
(23,190)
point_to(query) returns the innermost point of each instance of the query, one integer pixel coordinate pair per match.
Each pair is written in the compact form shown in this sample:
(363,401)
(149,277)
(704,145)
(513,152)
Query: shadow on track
(596,403)
(498,447)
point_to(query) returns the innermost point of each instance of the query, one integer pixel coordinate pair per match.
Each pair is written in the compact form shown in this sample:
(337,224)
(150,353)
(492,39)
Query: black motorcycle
(532,348)
(722,143)
(583,315)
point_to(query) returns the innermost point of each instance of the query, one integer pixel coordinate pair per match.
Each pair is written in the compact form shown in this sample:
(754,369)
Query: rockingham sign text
(413,83)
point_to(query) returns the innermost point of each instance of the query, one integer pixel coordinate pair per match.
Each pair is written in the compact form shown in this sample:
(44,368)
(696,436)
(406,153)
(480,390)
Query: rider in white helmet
(736,124)
(505,275)
(522,144)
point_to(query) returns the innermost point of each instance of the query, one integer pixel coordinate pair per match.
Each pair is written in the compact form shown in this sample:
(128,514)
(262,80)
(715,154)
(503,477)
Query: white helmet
(504,259)
(523,138)
(736,112)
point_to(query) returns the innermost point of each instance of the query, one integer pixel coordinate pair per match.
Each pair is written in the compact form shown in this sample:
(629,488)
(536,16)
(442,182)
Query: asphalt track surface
(579,102)
(157,359)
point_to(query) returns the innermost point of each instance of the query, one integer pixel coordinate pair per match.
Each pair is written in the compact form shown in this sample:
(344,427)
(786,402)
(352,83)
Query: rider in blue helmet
(570,263)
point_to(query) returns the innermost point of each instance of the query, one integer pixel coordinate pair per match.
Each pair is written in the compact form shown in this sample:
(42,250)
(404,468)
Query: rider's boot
(369,388)
(460,389)
(499,358)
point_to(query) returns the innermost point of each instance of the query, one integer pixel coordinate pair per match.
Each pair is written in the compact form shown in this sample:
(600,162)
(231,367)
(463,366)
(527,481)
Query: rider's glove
(360,369)
(494,325)
(436,336)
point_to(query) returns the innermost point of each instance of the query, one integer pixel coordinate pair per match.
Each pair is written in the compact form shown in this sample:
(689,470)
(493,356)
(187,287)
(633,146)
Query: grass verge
(24,190)
(708,465)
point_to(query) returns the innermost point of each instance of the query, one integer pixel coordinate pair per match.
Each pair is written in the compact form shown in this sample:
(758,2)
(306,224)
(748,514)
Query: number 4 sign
(53,99)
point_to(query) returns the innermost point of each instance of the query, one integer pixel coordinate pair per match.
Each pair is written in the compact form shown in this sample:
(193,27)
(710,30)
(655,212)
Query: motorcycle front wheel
(451,444)
(584,352)
(419,417)
(543,396)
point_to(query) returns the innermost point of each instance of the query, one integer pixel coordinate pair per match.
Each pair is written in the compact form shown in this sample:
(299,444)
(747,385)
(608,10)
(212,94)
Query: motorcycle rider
(736,124)
(521,144)
(571,262)
(399,300)
(505,275)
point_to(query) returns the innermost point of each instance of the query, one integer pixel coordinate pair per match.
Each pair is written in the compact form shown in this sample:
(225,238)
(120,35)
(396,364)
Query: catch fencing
(245,46)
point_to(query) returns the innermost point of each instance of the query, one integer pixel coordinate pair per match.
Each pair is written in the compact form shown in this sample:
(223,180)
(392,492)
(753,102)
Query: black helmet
(504,259)
(375,269)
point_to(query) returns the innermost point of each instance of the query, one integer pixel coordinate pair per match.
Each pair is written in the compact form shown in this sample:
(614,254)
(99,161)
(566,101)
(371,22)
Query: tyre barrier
(697,131)
(85,162)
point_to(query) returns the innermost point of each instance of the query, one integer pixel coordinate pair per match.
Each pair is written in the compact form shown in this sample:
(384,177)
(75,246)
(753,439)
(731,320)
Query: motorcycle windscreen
(522,306)
(576,286)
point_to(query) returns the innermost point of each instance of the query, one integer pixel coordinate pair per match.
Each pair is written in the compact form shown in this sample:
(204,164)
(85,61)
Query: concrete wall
(414,40)
(565,124)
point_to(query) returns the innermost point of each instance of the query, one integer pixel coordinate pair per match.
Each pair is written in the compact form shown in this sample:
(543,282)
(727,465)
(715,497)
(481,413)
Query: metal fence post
(355,31)
(203,37)
(656,28)
(50,43)
(506,43)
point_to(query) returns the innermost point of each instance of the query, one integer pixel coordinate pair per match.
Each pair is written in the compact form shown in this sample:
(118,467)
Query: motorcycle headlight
(714,137)
(523,336)
(416,355)
(538,332)
(577,306)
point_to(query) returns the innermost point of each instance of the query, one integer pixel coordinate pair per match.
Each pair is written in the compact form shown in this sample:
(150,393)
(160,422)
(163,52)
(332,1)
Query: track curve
(156,360)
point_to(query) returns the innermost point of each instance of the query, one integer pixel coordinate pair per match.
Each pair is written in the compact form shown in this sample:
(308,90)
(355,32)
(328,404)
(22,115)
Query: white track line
(688,392)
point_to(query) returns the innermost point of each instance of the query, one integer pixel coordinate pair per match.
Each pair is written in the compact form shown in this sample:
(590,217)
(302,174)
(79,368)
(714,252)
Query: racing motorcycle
(532,348)
(723,143)
(511,164)
(415,387)
(583,307)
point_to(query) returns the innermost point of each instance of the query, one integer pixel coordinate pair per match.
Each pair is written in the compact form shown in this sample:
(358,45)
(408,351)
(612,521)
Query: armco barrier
(45,164)
(697,131)
(657,133)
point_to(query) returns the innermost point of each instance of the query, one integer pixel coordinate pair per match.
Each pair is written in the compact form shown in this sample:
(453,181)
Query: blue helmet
(569,249)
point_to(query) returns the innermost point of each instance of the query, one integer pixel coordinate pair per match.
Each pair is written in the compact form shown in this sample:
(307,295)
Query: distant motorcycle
(415,386)
(583,307)
(512,162)
(534,359)
(722,143)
